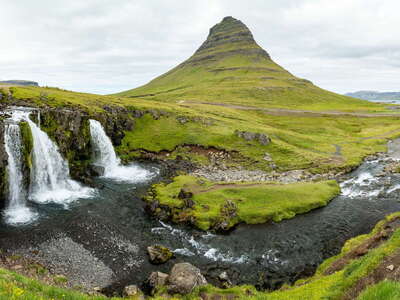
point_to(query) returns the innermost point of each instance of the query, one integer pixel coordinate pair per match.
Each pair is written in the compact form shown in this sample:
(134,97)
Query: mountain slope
(230,67)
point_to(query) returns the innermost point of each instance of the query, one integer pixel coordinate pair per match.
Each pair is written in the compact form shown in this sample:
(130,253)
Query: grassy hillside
(230,67)
(314,142)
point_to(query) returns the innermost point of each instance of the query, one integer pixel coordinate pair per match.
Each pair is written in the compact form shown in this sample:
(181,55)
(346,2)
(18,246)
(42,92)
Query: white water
(50,180)
(16,211)
(106,158)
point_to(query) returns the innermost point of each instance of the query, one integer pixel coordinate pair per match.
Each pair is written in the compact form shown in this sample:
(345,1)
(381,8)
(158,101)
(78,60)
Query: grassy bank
(211,205)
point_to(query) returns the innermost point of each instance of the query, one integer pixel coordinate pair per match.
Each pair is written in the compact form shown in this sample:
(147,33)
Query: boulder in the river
(156,280)
(183,278)
(159,254)
(132,291)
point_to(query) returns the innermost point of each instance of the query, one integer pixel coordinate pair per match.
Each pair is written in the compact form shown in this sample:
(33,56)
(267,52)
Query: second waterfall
(106,158)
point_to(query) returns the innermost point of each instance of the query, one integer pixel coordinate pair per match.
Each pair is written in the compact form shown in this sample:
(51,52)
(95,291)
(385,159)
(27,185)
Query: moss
(224,205)
(27,142)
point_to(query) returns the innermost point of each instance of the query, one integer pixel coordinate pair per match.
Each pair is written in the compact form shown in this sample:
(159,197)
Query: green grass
(385,290)
(255,203)
(301,142)
(14,286)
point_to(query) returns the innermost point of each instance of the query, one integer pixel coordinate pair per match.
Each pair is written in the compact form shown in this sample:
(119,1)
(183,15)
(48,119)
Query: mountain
(374,95)
(230,67)
(19,82)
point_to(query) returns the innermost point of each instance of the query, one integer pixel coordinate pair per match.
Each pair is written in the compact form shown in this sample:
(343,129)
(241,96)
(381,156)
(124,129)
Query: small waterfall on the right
(106,158)
(16,211)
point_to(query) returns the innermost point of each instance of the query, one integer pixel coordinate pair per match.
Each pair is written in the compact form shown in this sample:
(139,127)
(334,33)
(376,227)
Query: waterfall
(16,211)
(50,180)
(105,157)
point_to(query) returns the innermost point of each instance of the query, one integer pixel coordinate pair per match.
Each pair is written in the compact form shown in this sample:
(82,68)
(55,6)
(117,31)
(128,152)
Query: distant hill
(373,95)
(19,82)
(230,67)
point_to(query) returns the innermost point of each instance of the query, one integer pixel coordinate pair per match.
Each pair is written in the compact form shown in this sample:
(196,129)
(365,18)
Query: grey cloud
(107,46)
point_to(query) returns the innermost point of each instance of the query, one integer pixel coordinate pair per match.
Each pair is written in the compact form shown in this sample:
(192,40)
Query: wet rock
(183,278)
(132,291)
(159,254)
(97,170)
(156,280)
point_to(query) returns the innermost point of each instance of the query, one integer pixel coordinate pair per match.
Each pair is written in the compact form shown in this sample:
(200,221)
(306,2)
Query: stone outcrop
(183,278)
(262,138)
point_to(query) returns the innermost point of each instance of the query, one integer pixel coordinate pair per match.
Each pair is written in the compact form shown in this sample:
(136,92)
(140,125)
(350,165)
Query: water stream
(112,227)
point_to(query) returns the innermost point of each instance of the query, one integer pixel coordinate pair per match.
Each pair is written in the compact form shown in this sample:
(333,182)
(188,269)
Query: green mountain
(230,67)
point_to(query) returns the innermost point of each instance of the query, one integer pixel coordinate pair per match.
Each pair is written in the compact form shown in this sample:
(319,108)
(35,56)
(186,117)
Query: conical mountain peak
(229,37)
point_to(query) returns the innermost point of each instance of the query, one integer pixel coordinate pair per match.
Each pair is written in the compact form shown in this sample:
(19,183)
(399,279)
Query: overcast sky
(105,46)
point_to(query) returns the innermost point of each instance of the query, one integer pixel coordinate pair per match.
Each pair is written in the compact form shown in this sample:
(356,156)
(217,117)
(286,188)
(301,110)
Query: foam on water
(106,158)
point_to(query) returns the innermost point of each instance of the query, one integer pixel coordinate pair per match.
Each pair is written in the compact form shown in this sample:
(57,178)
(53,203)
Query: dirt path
(297,112)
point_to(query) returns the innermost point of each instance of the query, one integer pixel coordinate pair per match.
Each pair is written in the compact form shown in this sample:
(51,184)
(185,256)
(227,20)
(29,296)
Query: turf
(252,203)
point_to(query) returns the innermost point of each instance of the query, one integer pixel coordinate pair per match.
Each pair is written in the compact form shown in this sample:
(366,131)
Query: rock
(390,267)
(131,291)
(157,279)
(159,254)
(262,138)
(183,278)
(185,193)
(224,278)
(97,170)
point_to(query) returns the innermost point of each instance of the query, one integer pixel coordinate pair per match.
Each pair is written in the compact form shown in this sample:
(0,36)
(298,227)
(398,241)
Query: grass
(252,203)
(14,286)
(385,290)
(301,142)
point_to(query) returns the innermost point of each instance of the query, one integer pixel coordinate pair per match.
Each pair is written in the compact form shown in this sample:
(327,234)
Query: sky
(107,46)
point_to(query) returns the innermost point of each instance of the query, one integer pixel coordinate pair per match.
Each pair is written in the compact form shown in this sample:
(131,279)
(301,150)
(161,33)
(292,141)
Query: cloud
(107,46)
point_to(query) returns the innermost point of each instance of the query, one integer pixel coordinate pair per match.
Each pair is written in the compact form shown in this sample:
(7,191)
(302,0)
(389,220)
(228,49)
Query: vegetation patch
(221,206)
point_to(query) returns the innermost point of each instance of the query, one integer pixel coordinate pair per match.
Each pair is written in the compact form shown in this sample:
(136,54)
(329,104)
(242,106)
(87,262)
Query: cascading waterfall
(50,180)
(16,211)
(106,158)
